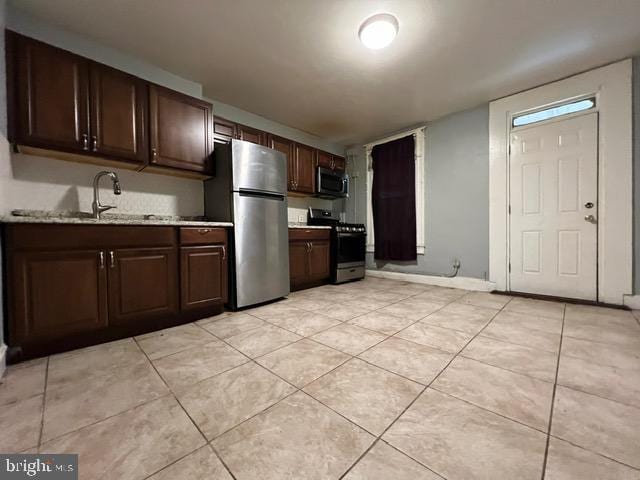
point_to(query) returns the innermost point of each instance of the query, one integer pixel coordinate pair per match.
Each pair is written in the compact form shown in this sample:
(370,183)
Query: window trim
(419,156)
(574,101)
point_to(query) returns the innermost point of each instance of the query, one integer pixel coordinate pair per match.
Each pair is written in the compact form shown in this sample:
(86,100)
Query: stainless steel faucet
(97,208)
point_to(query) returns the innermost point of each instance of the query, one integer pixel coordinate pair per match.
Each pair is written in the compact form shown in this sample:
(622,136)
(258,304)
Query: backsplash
(298,207)
(36,183)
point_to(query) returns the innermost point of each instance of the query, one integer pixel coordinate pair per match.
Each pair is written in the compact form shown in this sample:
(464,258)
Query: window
(419,135)
(548,113)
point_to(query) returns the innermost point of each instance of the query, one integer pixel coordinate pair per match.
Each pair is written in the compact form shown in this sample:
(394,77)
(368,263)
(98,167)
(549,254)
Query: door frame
(612,88)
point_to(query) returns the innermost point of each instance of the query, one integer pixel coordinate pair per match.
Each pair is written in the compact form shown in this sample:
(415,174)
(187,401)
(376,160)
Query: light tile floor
(377,379)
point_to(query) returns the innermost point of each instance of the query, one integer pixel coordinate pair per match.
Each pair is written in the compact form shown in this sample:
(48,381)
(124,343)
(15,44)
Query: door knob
(588,205)
(590,219)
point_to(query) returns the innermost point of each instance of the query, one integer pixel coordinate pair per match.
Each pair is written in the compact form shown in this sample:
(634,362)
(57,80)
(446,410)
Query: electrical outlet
(301,219)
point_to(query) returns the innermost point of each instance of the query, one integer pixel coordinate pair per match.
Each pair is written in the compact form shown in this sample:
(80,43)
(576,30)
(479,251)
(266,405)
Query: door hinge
(509,209)
(509,267)
(509,149)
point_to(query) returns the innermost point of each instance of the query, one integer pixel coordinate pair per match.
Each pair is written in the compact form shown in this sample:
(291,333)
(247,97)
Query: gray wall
(456,196)
(636,175)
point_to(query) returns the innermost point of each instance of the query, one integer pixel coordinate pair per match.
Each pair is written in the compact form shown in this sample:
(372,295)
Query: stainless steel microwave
(331,183)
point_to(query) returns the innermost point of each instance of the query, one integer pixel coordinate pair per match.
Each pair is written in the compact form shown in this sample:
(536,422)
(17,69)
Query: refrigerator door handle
(246,192)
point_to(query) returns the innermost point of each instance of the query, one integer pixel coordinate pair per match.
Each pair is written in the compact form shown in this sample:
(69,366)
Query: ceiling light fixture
(378,31)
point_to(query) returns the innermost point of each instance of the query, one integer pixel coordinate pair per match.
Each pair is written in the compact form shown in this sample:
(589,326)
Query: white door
(553,192)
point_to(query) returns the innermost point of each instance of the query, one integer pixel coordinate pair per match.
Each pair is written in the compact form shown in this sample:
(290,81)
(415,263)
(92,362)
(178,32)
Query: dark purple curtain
(394,200)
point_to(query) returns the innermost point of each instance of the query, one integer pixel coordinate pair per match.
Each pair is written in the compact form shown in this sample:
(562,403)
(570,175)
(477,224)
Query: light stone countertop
(85,218)
(304,225)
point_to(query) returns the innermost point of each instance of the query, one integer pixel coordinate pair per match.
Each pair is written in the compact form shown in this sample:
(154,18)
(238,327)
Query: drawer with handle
(202,235)
(309,234)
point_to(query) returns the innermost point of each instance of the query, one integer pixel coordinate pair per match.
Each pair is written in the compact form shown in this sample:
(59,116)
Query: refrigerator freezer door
(258,168)
(261,248)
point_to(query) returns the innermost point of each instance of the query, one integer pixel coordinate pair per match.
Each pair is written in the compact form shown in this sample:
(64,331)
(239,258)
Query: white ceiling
(299,62)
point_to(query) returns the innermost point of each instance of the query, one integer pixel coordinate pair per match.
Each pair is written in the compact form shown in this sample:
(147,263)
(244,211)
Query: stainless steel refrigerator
(250,190)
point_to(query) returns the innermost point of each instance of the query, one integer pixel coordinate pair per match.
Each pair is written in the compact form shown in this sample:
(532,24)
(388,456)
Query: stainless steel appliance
(348,245)
(331,183)
(250,190)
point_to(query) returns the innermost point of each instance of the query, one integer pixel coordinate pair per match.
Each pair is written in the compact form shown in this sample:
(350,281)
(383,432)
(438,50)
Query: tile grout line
(294,386)
(636,469)
(44,403)
(519,422)
(300,389)
(379,437)
(553,400)
(172,393)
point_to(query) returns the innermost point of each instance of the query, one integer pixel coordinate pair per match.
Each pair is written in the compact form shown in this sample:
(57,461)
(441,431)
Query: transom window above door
(552,112)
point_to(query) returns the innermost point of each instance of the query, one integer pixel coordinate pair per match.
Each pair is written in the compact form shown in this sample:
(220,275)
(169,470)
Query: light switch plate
(300,218)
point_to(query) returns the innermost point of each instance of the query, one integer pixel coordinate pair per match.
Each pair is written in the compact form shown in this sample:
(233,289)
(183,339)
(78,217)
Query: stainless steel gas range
(348,245)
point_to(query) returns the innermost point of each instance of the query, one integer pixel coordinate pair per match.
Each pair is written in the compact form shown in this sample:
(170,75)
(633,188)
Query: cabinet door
(339,163)
(285,146)
(325,159)
(305,162)
(252,135)
(50,110)
(118,109)
(54,294)
(203,276)
(298,263)
(180,130)
(142,284)
(223,130)
(319,255)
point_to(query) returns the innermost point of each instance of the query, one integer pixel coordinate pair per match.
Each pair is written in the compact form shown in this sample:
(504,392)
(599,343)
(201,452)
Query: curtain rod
(413,131)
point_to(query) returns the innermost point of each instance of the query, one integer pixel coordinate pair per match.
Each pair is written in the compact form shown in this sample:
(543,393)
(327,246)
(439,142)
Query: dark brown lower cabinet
(298,263)
(309,257)
(57,293)
(203,276)
(319,255)
(70,286)
(142,283)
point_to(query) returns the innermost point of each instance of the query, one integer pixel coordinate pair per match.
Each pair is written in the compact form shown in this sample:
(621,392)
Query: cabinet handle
(85,141)
(94,143)
(224,253)
(203,231)
(101,257)
(310,247)
(154,154)
(112,259)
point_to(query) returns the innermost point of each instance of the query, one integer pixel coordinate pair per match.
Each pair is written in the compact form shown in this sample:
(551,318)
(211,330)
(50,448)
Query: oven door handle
(354,234)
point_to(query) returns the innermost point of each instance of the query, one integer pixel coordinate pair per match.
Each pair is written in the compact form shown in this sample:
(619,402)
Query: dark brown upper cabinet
(48,95)
(330,161)
(61,102)
(339,163)
(253,135)
(181,131)
(304,163)
(118,111)
(285,146)
(223,130)
(325,160)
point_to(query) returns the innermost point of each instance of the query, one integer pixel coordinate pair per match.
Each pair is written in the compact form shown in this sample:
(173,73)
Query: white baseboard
(3,359)
(466,283)
(632,301)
